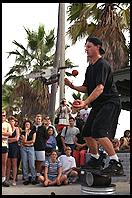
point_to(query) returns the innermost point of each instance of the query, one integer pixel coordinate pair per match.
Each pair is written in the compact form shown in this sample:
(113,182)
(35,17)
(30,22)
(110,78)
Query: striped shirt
(53,167)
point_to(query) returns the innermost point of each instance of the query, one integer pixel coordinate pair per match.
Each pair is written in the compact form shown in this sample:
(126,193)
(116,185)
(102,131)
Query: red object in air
(75,103)
(74,72)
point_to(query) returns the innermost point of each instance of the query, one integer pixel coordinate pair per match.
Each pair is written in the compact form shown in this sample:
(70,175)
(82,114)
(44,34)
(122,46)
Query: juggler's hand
(67,82)
(78,104)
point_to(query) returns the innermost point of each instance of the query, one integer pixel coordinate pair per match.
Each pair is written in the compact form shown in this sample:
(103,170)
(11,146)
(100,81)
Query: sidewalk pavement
(122,188)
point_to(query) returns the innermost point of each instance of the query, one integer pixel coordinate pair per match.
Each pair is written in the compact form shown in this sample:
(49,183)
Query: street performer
(104,99)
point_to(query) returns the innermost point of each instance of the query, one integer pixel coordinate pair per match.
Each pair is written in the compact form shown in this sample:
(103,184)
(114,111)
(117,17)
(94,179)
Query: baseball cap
(96,41)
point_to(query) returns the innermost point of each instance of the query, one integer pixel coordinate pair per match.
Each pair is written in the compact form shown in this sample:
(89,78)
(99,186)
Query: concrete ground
(122,188)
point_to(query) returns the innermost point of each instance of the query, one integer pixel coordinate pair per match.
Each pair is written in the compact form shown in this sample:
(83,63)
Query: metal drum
(97,180)
(110,190)
(88,178)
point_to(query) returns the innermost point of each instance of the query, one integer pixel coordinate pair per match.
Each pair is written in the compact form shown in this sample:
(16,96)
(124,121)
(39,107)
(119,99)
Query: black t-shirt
(41,137)
(101,73)
(30,136)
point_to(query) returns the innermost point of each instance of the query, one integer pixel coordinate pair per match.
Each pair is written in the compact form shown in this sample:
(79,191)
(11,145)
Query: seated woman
(116,144)
(52,171)
(125,141)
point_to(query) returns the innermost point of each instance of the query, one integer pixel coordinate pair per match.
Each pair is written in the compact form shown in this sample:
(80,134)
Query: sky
(16,16)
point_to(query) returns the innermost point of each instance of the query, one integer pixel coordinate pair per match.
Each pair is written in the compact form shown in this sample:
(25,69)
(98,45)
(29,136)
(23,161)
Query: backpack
(56,121)
(58,140)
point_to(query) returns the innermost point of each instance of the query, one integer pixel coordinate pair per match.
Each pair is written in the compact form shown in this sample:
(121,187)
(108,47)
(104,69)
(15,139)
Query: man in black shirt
(104,99)
(40,142)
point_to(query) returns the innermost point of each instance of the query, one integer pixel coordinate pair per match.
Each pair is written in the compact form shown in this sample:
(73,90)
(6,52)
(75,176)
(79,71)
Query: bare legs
(4,161)
(92,145)
(57,181)
(12,162)
(105,142)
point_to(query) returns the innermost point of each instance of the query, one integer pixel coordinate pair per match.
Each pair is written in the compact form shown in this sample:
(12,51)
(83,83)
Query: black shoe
(37,181)
(94,163)
(30,179)
(34,182)
(114,168)
(26,182)
(102,159)
(5,184)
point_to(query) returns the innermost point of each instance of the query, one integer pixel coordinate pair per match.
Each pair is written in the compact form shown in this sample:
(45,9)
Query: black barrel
(97,180)
(90,179)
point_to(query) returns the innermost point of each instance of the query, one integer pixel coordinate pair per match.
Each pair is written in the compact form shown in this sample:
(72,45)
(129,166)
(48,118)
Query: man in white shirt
(68,136)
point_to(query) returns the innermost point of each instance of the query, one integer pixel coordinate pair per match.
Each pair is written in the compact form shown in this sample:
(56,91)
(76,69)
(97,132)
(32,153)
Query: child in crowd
(52,171)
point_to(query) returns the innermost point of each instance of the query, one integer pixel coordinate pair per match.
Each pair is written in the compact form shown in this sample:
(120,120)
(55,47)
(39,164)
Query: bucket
(110,190)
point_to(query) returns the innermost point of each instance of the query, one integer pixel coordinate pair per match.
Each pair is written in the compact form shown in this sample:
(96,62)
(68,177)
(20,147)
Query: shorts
(13,151)
(102,121)
(51,177)
(40,156)
(4,149)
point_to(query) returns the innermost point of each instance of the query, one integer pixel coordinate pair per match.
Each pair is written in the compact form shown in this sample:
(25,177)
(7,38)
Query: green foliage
(106,21)
(76,96)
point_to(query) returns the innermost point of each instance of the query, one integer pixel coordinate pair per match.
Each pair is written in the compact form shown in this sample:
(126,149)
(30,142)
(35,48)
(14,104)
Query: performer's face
(91,49)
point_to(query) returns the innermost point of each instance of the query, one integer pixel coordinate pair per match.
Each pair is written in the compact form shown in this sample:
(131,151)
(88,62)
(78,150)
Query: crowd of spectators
(33,148)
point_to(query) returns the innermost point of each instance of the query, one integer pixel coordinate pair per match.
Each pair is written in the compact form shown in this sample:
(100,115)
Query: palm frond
(125,19)
(41,32)
(19,45)
(13,53)
(76,96)
(73,11)
(12,78)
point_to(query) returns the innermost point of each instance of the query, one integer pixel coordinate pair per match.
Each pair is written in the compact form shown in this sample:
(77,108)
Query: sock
(95,156)
(115,157)
(3,179)
(38,174)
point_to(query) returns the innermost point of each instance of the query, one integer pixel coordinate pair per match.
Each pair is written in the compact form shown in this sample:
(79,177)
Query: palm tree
(107,21)
(32,96)
(36,56)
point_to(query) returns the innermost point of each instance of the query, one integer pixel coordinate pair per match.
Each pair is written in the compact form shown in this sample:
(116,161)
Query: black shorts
(13,151)
(102,121)
(4,149)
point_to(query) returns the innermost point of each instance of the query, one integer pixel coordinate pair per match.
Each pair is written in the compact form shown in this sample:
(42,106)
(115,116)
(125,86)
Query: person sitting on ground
(69,165)
(125,141)
(116,144)
(52,170)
